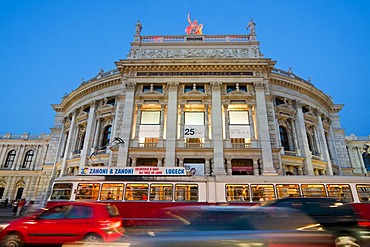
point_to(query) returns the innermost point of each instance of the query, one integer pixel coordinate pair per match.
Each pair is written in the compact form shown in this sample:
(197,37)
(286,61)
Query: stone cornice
(130,67)
(87,89)
(303,88)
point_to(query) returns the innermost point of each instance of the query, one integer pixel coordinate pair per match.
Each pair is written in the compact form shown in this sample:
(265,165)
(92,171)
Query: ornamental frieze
(135,53)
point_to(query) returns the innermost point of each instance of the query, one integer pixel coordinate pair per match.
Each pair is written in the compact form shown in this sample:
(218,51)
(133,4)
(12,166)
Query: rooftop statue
(194,27)
(138,28)
(252,27)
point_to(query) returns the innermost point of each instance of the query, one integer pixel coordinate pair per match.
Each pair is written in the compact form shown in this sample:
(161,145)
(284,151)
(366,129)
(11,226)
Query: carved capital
(259,86)
(216,86)
(130,86)
(172,86)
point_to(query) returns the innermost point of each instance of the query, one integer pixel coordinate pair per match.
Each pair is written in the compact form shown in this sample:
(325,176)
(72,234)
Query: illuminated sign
(138,170)
(194,131)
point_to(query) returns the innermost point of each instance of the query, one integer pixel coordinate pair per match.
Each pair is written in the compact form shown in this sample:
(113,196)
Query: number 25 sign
(194,131)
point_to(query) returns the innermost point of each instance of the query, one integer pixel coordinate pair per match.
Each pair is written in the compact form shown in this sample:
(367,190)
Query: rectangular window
(340,191)
(88,191)
(186,192)
(61,192)
(136,192)
(161,192)
(112,192)
(237,192)
(363,191)
(150,117)
(313,190)
(288,190)
(262,192)
(194,118)
(238,117)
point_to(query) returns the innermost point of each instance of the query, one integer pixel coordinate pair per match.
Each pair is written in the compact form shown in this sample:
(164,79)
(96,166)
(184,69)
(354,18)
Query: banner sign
(240,131)
(134,171)
(194,169)
(194,131)
(149,131)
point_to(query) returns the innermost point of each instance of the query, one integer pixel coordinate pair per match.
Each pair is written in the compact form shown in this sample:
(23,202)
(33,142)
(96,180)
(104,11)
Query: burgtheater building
(210,102)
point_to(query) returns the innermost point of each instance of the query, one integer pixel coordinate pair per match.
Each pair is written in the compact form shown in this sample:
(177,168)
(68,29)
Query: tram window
(237,192)
(340,191)
(313,190)
(61,192)
(136,192)
(363,191)
(161,192)
(288,190)
(111,192)
(262,192)
(88,191)
(186,192)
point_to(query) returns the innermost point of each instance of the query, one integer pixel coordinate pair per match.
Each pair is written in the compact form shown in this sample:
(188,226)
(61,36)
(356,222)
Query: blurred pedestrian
(15,207)
(21,205)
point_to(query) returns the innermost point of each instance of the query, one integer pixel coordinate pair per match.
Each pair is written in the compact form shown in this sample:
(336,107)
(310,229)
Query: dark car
(235,226)
(66,222)
(332,214)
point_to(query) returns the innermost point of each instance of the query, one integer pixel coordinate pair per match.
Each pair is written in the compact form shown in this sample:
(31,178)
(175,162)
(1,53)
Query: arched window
(106,136)
(80,142)
(10,159)
(28,159)
(284,138)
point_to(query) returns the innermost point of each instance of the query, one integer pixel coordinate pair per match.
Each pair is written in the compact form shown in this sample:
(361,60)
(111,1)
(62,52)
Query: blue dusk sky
(47,47)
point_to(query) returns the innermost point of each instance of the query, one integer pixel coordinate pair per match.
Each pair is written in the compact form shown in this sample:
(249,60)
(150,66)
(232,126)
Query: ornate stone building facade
(208,100)
(25,166)
(359,154)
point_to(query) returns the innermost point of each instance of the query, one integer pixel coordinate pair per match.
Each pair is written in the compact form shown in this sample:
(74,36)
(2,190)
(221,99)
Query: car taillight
(364,223)
(110,223)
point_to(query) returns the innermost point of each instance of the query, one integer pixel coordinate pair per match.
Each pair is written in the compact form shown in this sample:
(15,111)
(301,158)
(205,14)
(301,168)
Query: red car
(66,222)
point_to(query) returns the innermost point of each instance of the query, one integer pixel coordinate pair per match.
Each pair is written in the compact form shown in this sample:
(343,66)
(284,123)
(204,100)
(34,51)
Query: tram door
(19,193)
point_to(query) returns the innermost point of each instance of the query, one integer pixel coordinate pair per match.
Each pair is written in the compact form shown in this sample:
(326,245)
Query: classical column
(162,124)
(19,157)
(171,128)
(217,136)
(126,124)
(182,122)
(294,133)
(206,122)
(136,140)
(251,126)
(263,129)
(303,140)
(324,147)
(227,127)
(88,141)
(255,167)
(68,149)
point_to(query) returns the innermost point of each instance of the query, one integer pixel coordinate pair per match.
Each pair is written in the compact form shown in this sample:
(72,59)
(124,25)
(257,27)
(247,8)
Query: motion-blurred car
(66,222)
(235,226)
(334,216)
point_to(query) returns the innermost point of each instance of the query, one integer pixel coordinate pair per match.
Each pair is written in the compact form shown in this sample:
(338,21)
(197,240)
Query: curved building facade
(206,101)
(212,104)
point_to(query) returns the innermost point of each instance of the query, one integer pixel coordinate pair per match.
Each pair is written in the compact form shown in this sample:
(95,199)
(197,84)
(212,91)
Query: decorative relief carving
(285,110)
(193,53)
